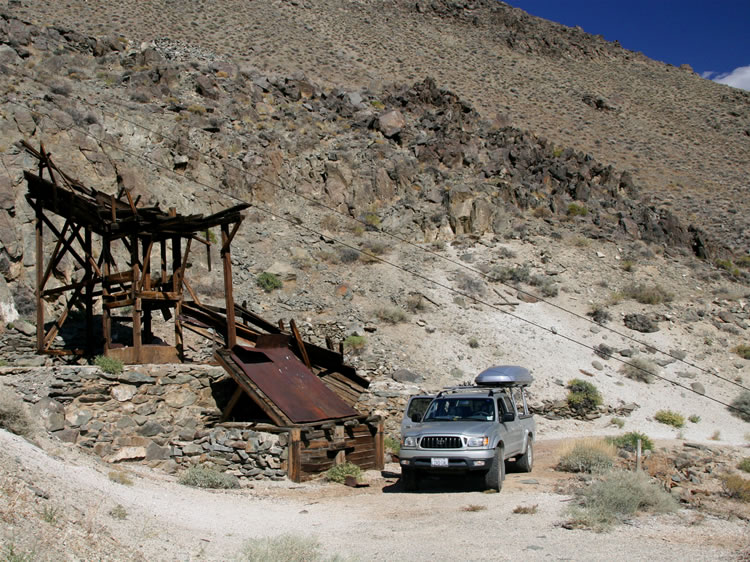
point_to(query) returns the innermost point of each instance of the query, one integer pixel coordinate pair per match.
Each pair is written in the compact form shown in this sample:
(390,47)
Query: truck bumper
(444,462)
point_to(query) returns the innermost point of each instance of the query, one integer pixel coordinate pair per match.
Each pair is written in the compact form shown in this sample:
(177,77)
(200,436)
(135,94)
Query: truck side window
(520,399)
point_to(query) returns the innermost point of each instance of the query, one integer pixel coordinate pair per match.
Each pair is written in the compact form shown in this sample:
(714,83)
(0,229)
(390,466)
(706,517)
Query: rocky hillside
(416,210)
(684,139)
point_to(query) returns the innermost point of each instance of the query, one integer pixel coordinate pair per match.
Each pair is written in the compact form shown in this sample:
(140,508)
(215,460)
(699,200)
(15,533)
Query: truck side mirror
(416,418)
(508,416)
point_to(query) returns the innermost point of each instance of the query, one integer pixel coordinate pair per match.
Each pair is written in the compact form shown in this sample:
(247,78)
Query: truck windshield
(460,409)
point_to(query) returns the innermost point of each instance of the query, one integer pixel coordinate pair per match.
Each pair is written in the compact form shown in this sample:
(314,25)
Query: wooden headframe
(95,225)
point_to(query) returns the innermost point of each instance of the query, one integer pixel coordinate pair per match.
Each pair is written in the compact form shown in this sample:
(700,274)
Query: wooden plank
(89,295)
(300,343)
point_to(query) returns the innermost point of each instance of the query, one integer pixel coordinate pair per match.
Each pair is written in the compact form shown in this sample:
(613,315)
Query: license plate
(439,462)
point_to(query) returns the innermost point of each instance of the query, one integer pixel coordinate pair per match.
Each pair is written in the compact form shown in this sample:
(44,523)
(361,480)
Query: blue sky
(713,37)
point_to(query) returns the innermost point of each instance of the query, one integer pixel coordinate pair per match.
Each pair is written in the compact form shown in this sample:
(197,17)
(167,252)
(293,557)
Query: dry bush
(590,454)
(669,417)
(473,507)
(648,294)
(640,369)
(391,315)
(525,509)
(203,477)
(619,496)
(737,487)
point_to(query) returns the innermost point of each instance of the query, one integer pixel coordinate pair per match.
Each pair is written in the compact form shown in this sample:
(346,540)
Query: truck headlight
(478,441)
(409,442)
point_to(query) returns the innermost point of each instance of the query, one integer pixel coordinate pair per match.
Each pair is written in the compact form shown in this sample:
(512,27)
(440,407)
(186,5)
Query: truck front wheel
(408,479)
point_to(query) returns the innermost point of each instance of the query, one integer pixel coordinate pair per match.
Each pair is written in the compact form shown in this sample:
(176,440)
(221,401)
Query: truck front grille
(441,442)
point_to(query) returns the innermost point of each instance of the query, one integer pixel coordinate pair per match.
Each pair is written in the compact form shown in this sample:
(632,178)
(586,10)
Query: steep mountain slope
(685,140)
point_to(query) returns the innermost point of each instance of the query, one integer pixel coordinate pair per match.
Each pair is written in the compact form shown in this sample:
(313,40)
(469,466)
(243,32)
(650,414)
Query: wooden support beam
(294,468)
(235,228)
(300,343)
(232,403)
(106,314)
(226,258)
(39,233)
(89,295)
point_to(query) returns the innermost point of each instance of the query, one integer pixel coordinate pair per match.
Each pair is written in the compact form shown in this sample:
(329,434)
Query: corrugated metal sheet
(287,382)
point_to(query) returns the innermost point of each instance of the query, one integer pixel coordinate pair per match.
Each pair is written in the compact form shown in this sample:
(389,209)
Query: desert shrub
(391,315)
(415,302)
(526,509)
(330,223)
(542,212)
(286,548)
(470,285)
(268,282)
(339,472)
(576,210)
(742,350)
(372,220)
(716,435)
(599,314)
(10,553)
(473,343)
(728,266)
(587,455)
(371,250)
(735,486)
(13,416)
(505,274)
(108,364)
(744,261)
(640,369)
(355,342)
(627,265)
(583,396)
(121,477)
(204,477)
(618,496)
(348,255)
(118,512)
(744,464)
(629,441)
(648,294)
(392,444)
(61,89)
(669,417)
(694,418)
(619,422)
(546,285)
(741,406)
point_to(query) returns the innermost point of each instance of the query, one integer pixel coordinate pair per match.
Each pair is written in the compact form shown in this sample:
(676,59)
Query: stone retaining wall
(163,415)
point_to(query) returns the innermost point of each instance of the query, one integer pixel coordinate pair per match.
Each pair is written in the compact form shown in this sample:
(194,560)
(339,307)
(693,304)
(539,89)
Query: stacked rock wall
(163,415)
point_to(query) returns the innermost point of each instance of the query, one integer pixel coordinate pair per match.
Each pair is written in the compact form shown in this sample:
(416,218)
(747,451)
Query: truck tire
(408,479)
(493,478)
(526,461)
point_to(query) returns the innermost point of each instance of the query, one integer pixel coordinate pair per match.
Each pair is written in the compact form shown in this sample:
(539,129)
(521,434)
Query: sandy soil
(167,521)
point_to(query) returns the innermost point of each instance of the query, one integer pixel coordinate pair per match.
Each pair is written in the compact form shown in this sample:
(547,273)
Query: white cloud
(738,78)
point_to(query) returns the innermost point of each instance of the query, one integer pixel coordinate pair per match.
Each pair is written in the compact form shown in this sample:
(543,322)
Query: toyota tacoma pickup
(472,429)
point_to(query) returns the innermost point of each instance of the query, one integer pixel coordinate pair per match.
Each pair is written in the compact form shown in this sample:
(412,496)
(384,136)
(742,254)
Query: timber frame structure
(95,223)
(303,389)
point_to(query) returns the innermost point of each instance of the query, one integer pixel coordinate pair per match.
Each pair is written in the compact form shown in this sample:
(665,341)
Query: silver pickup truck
(470,429)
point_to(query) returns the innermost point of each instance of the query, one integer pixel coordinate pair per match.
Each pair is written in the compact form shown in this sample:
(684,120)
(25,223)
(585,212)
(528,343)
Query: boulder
(640,323)
(51,413)
(391,123)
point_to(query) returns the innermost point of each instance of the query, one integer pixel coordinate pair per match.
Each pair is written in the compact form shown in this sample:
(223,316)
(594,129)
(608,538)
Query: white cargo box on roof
(504,375)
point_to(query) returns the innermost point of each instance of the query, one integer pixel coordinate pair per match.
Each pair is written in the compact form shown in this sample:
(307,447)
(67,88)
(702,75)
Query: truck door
(416,405)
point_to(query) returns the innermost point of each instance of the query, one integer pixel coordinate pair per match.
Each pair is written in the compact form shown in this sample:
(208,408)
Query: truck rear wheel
(493,478)
(526,461)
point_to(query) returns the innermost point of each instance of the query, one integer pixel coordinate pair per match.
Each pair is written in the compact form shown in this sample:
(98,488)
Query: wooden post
(39,227)
(147,246)
(638,455)
(380,446)
(294,470)
(89,298)
(135,296)
(226,258)
(338,435)
(177,273)
(106,312)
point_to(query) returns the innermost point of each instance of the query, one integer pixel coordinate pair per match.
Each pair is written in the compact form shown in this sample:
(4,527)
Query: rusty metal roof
(290,385)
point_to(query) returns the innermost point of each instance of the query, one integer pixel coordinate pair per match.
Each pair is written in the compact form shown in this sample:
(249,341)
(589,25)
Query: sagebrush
(629,441)
(590,455)
(669,417)
(205,477)
(640,369)
(583,396)
(339,472)
(618,496)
